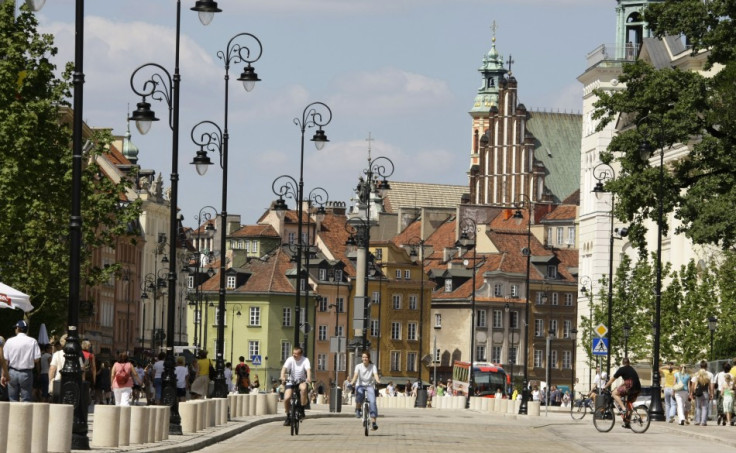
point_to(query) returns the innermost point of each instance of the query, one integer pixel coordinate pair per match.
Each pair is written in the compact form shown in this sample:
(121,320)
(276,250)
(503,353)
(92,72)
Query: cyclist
(300,373)
(366,376)
(630,388)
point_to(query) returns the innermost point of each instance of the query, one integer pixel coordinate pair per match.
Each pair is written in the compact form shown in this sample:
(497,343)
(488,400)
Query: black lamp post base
(175,429)
(656,411)
(524,406)
(421,400)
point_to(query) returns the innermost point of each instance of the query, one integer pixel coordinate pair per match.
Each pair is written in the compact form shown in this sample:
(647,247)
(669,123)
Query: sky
(403,71)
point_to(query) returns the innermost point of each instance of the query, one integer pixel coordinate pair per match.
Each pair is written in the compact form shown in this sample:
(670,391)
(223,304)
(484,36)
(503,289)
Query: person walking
(727,393)
(123,375)
(200,386)
(242,373)
(682,394)
(668,377)
(719,385)
(4,375)
(701,389)
(43,377)
(158,373)
(182,373)
(23,355)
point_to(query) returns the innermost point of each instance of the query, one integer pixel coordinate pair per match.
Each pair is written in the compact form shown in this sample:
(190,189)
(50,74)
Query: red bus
(489,379)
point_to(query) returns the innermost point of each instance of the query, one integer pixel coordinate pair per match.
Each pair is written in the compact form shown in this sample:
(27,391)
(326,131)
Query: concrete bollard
(4,417)
(252,403)
(165,418)
(320,399)
(475,403)
(502,405)
(20,419)
(261,404)
(510,407)
(243,402)
(458,402)
(272,400)
(484,404)
(152,423)
(188,414)
(40,435)
(139,417)
(533,408)
(211,413)
(233,406)
(410,402)
(158,434)
(491,405)
(106,427)
(222,412)
(218,410)
(124,427)
(517,405)
(201,414)
(60,440)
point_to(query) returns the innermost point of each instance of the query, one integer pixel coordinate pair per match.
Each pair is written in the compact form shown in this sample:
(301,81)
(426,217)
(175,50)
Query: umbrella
(43,335)
(12,298)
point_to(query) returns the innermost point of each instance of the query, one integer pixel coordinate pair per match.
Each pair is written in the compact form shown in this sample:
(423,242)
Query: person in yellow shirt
(668,379)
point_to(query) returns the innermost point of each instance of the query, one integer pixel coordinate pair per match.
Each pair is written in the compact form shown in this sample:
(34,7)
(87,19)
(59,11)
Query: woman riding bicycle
(366,376)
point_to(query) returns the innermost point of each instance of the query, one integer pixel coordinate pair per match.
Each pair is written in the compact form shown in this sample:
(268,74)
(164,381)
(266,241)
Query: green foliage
(35,178)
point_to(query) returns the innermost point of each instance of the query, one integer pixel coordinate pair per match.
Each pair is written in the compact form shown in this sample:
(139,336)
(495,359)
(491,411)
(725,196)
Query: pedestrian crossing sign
(600,346)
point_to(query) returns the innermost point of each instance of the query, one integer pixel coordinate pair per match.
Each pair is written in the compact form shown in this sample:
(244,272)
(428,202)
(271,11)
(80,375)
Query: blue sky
(404,71)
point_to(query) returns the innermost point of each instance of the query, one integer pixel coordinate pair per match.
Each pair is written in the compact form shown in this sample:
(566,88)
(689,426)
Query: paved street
(444,430)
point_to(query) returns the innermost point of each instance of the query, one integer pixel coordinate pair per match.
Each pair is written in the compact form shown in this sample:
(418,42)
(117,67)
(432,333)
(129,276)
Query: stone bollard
(501,404)
(320,399)
(106,427)
(20,419)
(458,402)
(272,400)
(261,404)
(517,405)
(484,404)
(188,414)
(165,417)
(533,408)
(252,403)
(139,417)
(218,410)
(40,435)
(124,427)
(491,405)
(60,440)
(510,407)
(201,414)
(222,412)
(158,428)
(243,400)
(4,418)
(152,423)
(211,413)
(474,403)
(233,406)
(410,402)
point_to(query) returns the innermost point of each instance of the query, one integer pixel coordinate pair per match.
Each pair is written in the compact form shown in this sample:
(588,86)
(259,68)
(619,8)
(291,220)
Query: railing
(612,52)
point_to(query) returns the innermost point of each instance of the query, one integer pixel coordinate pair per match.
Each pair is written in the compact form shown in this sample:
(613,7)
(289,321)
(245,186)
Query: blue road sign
(256,359)
(600,346)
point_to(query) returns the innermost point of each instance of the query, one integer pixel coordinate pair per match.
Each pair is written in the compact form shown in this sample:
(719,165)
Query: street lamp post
(468,239)
(548,373)
(160,85)
(204,216)
(382,167)
(415,243)
(574,337)
(712,325)
(511,357)
(525,202)
(232,329)
(212,139)
(585,282)
(317,197)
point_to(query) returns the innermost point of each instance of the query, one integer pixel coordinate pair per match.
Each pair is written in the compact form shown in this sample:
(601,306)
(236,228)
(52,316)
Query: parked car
(645,397)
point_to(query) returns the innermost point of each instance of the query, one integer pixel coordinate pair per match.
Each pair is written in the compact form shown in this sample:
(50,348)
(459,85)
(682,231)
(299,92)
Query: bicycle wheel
(640,419)
(604,419)
(366,418)
(294,414)
(578,410)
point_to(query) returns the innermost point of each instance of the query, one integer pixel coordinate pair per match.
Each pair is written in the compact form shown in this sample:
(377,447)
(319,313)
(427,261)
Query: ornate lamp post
(574,337)
(627,332)
(712,325)
(524,202)
(158,84)
(211,138)
(414,244)
(204,217)
(468,230)
(586,283)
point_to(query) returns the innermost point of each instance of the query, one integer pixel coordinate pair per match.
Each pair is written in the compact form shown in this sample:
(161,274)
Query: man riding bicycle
(630,388)
(300,373)
(366,375)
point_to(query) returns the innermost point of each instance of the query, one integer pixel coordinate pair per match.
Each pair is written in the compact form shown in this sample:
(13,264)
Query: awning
(12,298)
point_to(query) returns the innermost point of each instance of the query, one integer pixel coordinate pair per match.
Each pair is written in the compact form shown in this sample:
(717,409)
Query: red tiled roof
(562,212)
(262,230)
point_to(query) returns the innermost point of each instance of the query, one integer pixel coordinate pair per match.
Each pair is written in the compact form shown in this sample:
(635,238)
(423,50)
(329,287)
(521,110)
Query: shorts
(181,392)
(290,384)
(631,394)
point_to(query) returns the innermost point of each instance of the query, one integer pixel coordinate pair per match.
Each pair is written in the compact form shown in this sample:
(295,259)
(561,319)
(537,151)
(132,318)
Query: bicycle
(605,416)
(296,410)
(581,406)
(366,411)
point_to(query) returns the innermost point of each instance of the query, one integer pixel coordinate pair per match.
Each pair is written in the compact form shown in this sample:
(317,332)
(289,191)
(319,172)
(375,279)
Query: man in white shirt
(300,373)
(23,355)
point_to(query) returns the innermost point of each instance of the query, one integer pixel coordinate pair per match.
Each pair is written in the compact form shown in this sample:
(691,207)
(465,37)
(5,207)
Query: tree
(670,108)
(35,176)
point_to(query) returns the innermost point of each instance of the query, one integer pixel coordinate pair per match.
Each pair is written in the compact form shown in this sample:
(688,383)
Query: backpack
(121,376)
(87,370)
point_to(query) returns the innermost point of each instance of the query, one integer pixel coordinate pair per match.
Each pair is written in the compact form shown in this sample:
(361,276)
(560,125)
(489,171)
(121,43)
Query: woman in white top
(366,376)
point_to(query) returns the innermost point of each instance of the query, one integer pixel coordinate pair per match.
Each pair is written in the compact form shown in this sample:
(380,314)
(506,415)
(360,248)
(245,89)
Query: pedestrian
(728,398)
(701,389)
(4,376)
(670,405)
(242,372)
(123,375)
(136,386)
(158,372)
(719,385)
(200,386)
(181,373)
(23,356)
(229,377)
(255,384)
(57,363)
(43,377)
(103,384)
(682,394)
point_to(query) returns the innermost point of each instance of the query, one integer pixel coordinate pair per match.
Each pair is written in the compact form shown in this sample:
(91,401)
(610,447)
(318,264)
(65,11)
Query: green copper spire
(492,72)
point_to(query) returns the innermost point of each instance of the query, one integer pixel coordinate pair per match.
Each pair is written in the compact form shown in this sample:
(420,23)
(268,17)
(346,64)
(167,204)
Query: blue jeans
(361,392)
(21,384)
(157,384)
(702,403)
(670,405)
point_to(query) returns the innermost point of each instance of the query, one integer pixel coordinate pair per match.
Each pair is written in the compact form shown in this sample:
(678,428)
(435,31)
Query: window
(286,320)
(254,248)
(497,319)
(395,361)
(438,320)
(407,274)
(254,348)
(571,236)
(551,271)
(553,358)
(322,362)
(514,319)
(374,328)
(376,298)
(338,275)
(568,299)
(412,301)
(190,281)
(323,274)
(514,291)
(340,304)
(498,290)
(512,355)
(255,316)
(217,317)
(538,354)
(411,361)
(567,360)
(396,331)
(560,235)
(291,237)
(411,331)
(285,350)
(541,297)
(341,362)
(480,318)
(398,274)
(495,354)
(553,327)
(323,304)
(396,299)
(448,285)
(340,331)
(230,282)
(555,298)
(322,333)
(566,327)
(550,235)
(437,355)
(538,327)
(378,253)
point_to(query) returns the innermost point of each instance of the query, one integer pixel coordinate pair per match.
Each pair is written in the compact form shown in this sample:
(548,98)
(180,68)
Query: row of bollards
(396,402)
(36,427)
(121,426)
(497,405)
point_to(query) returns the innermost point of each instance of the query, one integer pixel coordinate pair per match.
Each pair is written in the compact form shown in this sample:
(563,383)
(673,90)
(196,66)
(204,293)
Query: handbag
(678,386)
